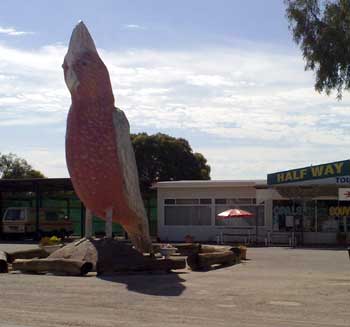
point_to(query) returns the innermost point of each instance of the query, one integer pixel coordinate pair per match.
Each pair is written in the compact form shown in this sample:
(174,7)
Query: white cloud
(32,91)
(13,32)
(132,27)
(254,162)
(209,80)
(44,158)
(256,111)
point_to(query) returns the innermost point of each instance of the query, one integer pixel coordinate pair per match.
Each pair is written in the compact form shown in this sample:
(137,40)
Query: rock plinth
(109,256)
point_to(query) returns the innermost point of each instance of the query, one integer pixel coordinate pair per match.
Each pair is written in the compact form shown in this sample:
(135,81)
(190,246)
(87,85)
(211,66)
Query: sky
(225,74)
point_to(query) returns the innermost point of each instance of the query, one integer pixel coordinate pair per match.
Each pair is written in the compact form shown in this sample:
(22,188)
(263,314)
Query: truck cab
(21,221)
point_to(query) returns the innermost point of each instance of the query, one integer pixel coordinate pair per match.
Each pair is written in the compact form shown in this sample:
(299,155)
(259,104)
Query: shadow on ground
(327,248)
(151,284)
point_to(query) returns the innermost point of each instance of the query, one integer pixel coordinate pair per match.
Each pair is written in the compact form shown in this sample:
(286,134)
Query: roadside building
(190,208)
(309,205)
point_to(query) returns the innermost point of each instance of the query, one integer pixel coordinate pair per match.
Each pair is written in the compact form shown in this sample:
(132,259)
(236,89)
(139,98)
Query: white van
(22,221)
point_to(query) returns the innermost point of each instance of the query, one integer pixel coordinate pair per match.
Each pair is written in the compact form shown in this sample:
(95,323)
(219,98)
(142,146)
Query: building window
(238,201)
(187,201)
(289,215)
(309,219)
(286,215)
(187,212)
(187,215)
(331,214)
(245,201)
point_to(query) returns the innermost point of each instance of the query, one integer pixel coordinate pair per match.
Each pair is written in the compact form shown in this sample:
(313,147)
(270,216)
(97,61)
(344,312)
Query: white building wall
(229,190)
(200,233)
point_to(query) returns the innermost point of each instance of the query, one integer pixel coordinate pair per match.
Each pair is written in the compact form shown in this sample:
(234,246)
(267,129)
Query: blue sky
(159,24)
(223,74)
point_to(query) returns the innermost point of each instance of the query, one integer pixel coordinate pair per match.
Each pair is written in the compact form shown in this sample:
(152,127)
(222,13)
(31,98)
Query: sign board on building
(344,194)
(339,211)
(328,170)
(342,180)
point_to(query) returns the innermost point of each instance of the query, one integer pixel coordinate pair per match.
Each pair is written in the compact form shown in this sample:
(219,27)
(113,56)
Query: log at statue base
(215,248)
(55,266)
(193,248)
(203,257)
(27,254)
(187,249)
(3,262)
(203,261)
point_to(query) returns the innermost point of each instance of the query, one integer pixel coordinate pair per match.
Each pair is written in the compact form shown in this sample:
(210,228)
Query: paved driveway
(278,287)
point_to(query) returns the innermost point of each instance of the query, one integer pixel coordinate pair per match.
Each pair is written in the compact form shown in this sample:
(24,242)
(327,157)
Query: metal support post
(88,223)
(37,209)
(109,223)
(82,219)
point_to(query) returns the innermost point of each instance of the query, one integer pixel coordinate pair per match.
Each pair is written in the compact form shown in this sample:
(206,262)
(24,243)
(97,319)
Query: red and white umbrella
(235,213)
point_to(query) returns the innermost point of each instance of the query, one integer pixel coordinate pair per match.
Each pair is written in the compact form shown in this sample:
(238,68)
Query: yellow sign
(333,169)
(339,211)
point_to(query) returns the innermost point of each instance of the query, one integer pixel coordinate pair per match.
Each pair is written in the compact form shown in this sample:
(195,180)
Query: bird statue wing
(131,179)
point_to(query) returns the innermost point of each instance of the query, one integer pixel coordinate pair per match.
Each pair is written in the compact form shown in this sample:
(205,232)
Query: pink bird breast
(99,154)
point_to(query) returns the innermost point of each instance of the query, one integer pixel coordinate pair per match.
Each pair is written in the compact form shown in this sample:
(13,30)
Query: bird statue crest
(99,153)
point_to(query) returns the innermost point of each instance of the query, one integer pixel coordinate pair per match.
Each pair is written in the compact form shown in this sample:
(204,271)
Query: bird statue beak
(80,42)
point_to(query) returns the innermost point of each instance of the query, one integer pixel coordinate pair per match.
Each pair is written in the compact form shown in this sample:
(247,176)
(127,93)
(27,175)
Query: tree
(160,157)
(12,166)
(322,29)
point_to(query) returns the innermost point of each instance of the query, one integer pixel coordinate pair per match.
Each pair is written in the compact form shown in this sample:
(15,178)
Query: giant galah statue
(99,153)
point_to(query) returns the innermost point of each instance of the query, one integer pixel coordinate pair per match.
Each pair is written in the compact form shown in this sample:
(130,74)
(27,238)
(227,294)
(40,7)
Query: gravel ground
(277,287)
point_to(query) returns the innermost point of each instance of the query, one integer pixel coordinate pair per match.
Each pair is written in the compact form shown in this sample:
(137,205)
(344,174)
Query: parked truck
(21,221)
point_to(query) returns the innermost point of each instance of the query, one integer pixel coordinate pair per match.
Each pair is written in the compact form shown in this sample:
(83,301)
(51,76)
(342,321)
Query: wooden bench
(247,234)
(291,238)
